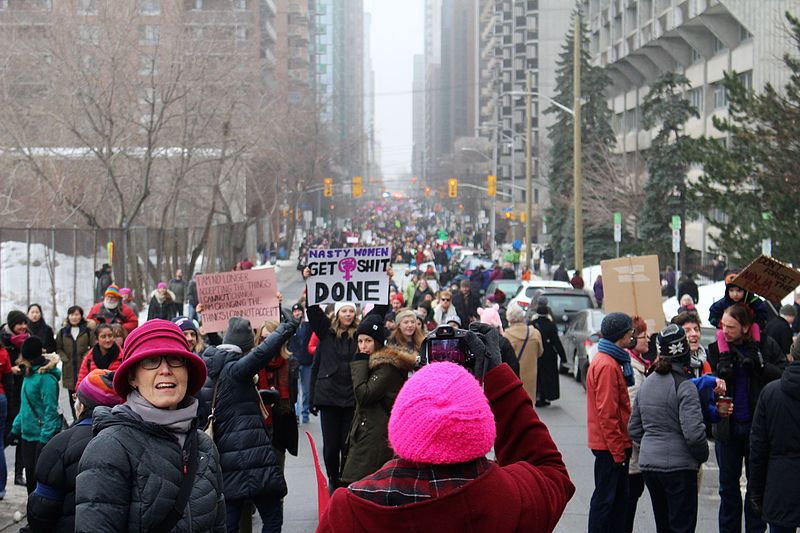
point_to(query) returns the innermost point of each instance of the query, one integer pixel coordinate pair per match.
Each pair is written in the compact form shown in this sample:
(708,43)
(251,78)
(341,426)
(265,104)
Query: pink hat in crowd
(154,338)
(441,416)
(490,315)
(161,285)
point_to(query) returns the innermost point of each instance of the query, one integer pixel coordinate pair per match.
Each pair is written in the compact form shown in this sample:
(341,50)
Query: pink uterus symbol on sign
(346,266)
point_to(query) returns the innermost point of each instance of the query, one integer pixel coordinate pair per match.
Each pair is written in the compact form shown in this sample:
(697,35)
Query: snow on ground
(69,290)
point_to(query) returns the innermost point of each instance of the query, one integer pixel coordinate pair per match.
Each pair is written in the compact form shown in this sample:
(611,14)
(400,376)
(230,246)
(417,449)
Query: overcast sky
(397,34)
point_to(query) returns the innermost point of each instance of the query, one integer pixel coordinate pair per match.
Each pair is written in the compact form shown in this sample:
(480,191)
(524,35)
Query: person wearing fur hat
(38,419)
(608,411)
(163,304)
(441,427)
(547,384)
(378,373)
(111,310)
(331,381)
(250,467)
(51,507)
(149,467)
(667,422)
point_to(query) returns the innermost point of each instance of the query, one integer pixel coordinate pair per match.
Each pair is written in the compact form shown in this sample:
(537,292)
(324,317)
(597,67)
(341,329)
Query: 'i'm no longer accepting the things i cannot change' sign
(250,294)
(349,275)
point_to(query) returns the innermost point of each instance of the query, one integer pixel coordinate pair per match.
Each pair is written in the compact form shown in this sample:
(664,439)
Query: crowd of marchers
(175,428)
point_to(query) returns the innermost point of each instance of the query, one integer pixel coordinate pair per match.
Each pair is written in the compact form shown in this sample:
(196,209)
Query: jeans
(781,529)
(192,313)
(674,498)
(610,497)
(269,508)
(30,456)
(335,422)
(635,491)
(3,467)
(304,379)
(730,455)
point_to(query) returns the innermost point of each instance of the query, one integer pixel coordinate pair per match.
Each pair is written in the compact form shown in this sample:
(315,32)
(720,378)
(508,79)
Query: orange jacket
(608,407)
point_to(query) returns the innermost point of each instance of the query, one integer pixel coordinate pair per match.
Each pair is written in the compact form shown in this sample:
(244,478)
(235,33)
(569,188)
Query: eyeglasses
(173,361)
(444,299)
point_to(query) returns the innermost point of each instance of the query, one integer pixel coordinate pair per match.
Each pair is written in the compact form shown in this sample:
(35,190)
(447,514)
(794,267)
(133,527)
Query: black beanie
(239,333)
(15,318)
(672,343)
(615,325)
(31,348)
(372,325)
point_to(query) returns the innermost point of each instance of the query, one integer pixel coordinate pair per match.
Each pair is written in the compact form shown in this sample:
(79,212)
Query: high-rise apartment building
(418,117)
(637,40)
(292,50)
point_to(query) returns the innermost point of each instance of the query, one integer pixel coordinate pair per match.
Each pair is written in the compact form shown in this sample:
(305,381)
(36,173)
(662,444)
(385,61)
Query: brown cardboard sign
(251,294)
(768,278)
(632,285)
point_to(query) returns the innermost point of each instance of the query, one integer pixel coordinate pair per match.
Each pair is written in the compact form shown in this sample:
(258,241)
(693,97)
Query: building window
(720,96)
(194,5)
(240,5)
(747,79)
(696,99)
(744,34)
(3,4)
(89,34)
(87,7)
(150,7)
(149,34)
(147,66)
(696,56)
(240,34)
(718,46)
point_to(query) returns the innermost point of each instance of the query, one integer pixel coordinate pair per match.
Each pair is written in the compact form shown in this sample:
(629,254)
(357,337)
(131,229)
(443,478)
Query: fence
(55,267)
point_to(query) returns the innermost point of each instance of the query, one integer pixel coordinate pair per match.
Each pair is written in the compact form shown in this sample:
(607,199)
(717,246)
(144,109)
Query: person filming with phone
(442,425)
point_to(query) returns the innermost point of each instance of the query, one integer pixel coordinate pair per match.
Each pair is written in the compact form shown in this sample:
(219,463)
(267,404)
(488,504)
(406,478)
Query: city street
(566,419)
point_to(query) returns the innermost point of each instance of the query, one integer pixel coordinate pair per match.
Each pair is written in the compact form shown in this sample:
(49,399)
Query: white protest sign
(349,275)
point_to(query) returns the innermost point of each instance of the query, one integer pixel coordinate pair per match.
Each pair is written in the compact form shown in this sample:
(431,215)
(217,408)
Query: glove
(491,352)
(752,361)
(12,439)
(725,365)
(314,410)
(289,327)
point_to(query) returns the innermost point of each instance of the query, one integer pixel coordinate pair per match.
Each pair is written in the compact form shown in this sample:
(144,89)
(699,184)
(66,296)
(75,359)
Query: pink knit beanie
(441,416)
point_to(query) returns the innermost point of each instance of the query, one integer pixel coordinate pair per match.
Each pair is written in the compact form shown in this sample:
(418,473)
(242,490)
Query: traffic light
(427,192)
(452,188)
(492,185)
(523,216)
(357,191)
(327,189)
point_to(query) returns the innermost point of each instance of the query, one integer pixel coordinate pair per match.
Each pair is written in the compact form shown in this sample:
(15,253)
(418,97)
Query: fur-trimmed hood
(393,355)
(170,296)
(52,360)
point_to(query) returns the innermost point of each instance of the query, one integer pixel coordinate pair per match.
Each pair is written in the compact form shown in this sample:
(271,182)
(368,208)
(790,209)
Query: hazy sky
(397,34)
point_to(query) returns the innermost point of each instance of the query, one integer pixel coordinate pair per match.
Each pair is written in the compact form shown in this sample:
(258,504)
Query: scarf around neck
(104,361)
(176,421)
(621,356)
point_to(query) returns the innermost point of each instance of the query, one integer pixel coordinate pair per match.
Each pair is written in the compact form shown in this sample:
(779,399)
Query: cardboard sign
(768,278)
(246,293)
(349,275)
(631,285)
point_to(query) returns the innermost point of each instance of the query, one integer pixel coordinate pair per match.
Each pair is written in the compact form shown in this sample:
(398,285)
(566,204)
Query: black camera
(447,343)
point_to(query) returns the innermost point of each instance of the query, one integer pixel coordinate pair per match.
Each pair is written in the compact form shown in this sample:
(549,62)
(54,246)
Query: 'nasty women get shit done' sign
(355,275)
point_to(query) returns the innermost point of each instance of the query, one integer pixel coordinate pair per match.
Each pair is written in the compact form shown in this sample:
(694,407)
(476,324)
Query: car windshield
(595,318)
(564,303)
(507,286)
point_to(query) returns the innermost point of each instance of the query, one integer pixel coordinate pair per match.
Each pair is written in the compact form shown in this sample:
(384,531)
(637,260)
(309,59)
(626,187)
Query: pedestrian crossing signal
(492,185)
(357,190)
(452,188)
(327,189)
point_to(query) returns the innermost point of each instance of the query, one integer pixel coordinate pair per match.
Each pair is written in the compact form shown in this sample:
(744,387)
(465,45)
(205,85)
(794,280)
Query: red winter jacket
(126,316)
(608,407)
(526,490)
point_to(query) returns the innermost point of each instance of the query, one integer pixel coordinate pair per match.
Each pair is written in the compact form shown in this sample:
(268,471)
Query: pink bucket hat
(154,338)
(441,416)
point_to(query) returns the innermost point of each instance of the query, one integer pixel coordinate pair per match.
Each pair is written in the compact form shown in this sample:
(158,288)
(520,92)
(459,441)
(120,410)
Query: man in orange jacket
(608,409)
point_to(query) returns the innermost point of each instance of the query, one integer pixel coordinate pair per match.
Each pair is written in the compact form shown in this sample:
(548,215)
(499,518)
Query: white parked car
(528,288)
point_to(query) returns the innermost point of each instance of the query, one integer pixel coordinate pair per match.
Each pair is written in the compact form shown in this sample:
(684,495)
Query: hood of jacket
(216,357)
(790,381)
(48,363)
(394,355)
(170,296)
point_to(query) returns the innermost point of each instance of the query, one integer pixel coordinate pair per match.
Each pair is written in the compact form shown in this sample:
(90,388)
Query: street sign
(617,227)
(766,247)
(676,241)
(676,222)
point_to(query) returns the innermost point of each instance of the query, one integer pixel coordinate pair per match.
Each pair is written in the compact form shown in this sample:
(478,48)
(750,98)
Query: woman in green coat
(378,373)
(38,419)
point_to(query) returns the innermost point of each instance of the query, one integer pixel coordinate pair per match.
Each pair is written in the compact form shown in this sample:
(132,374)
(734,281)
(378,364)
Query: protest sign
(250,294)
(768,278)
(631,285)
(349,275)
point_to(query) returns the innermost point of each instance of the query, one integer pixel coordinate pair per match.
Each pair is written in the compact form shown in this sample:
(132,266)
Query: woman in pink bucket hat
(441,427)
(149,468)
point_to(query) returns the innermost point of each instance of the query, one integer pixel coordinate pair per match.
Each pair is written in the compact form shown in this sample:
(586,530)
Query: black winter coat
(52,506)
(166,310)
(331,384)
(780,330)
(775,450)
(298,344)
(377,379)
(547,385)
(508,355)
(130,474)
(726,364)
(249,464)
(45,334)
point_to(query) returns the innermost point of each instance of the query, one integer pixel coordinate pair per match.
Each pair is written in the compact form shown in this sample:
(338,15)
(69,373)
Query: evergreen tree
(596,139)
(668,159)
(756,170)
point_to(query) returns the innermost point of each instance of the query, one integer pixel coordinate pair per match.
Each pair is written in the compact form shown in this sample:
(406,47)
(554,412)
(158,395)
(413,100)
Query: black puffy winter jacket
(130,474)
(249,464)
(51,507)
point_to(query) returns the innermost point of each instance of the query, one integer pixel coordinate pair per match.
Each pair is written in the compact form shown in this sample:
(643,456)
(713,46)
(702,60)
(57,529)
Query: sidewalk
(16,498)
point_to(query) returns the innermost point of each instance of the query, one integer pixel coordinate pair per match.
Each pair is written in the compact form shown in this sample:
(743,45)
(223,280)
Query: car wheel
(576,371)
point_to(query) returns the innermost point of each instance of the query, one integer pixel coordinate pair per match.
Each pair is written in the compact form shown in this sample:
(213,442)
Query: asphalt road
(566,419)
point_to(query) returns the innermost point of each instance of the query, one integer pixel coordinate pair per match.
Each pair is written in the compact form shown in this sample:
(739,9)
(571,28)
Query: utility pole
(576,133)
(528,174)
